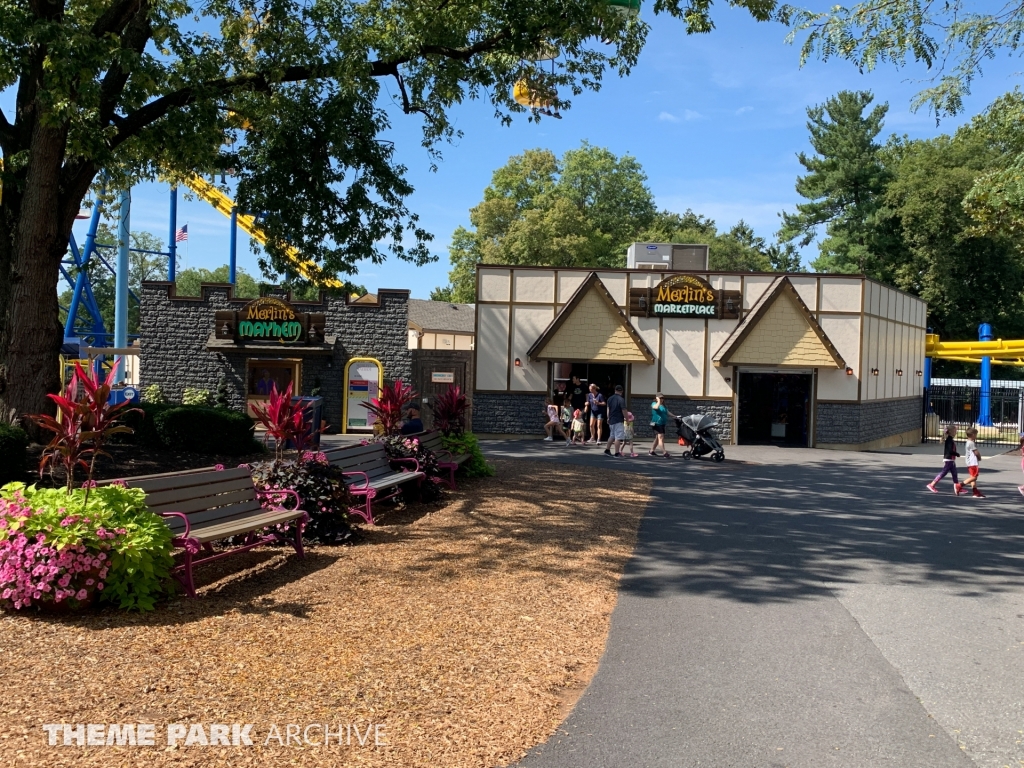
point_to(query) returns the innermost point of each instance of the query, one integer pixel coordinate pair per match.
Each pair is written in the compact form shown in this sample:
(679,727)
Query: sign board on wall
(363,376)
(442,377)
(269,319)
(685,295)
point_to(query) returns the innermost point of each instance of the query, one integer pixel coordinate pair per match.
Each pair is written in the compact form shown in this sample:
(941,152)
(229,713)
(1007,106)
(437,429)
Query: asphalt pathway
(807,609)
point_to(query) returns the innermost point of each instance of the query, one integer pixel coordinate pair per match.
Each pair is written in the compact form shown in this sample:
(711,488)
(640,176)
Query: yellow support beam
(1011,351)
(212,195)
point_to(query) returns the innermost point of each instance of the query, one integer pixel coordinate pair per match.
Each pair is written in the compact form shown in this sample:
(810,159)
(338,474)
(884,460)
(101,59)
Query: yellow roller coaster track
(247,223)
(1000,352)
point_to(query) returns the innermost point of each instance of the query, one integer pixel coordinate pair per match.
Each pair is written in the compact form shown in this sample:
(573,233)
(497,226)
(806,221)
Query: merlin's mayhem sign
(684,296)
(269,319)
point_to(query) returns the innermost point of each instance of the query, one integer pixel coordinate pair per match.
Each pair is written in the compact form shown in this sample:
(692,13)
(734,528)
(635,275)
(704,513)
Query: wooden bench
(207,505)
(433,442)
(370,476)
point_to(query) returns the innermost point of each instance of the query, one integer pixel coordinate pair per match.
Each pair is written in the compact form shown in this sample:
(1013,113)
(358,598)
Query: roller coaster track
(1000,351)
(248,224)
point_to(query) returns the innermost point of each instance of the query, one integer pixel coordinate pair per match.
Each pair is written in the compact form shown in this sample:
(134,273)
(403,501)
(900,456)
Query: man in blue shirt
(616,422)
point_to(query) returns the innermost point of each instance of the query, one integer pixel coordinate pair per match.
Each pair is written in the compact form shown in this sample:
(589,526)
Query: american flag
(181,235)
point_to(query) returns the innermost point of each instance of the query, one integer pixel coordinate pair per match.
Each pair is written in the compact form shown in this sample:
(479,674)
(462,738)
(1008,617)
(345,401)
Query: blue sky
(716,121)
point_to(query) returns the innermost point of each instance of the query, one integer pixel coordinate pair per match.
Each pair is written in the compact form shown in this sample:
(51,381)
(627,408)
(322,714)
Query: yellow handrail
(1000,351)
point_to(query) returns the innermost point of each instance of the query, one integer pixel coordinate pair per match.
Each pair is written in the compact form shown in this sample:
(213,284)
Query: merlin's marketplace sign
(685,295)
(269,319)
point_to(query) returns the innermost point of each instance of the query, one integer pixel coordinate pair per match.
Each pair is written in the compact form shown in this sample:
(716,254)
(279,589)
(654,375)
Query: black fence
(960,405)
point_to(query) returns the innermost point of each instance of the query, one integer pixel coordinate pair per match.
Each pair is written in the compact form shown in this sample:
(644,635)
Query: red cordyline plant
(450,410)
(388,407)
(286,421)
(86,422)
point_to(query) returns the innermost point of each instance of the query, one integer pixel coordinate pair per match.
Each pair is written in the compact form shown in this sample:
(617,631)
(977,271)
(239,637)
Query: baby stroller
(695,432)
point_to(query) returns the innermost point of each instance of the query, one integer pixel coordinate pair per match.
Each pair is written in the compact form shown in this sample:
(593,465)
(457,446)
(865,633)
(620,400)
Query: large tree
(141,88)
(579,210)
(846,178)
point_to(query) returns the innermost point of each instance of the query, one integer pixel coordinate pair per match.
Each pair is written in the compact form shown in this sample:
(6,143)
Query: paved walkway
(807,609)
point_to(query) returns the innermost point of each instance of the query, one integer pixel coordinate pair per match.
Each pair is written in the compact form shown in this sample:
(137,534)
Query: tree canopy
(291,95)
(583,210)
(844,184)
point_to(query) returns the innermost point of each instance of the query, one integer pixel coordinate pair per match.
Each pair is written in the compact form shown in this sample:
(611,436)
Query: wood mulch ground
(465,630)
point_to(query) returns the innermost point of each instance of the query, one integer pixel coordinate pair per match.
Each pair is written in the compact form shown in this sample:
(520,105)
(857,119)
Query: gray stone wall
(174,332)
(518,413)
(512,413)
(854,423)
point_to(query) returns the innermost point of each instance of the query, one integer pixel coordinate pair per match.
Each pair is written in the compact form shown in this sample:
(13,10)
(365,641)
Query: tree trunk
(30,330)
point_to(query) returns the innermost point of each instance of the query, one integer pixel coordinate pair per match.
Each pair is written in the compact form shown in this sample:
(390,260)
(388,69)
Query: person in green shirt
(659,420)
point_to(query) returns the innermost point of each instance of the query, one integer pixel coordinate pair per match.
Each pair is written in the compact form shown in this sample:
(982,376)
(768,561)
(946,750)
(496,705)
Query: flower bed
(60,548)
(321,489)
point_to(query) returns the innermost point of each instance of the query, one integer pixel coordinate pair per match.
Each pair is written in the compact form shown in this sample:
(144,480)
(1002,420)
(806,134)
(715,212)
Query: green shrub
(321,488)
(143,426)
(153,394)
(477,465)
(195,396)
(206,430)
(129,547)
(13,442)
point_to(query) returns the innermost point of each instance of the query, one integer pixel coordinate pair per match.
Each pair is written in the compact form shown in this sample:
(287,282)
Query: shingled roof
(442,316)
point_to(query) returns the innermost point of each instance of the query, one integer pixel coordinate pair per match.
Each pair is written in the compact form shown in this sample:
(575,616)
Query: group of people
(581,416)
(973,460)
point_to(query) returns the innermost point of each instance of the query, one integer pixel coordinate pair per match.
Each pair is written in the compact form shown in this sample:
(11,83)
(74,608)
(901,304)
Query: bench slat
(228,528)
(209,516)
(189,506)
(156,483)
(210,492)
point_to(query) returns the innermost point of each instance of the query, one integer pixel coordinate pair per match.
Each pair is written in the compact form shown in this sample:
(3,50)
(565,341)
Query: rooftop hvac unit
(667,256)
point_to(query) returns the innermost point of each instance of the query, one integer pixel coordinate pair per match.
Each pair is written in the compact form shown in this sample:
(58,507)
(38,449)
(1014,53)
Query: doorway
(775,408)
(605,375)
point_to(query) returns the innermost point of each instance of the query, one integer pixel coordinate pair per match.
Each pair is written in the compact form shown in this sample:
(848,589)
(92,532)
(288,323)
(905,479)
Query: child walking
(554,425)
(566,415)
(578,427)
(629,437)
(973,462)
(949,457)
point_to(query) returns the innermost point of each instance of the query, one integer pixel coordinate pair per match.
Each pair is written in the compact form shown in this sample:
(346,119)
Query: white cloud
(692,115)
(668,117)
(742,110)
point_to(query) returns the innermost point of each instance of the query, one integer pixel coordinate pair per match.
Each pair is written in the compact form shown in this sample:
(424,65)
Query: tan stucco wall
(782,337)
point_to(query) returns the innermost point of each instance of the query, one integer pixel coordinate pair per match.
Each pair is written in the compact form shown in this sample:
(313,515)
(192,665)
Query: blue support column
(985,406)
(81,280)
(233,247)
(121,278)
(172,242)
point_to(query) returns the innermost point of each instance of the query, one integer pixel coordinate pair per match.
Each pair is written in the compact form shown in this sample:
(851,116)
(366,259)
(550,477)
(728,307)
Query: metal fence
(960,404)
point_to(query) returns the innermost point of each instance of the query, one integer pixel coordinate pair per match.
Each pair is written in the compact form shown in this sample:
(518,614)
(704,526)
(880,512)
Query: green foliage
(188,281)
(953,36)
(153,394)
(966,276)
(467,443)
(844,185)
(142,422)
(321,488)
(221,400)
(195,396)
(13,442)
(582,210)
(140,548)
(738,250)
(206,430)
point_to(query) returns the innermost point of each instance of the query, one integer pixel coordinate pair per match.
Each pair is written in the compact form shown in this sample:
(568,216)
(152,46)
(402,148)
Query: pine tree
(222,393)
(845,183)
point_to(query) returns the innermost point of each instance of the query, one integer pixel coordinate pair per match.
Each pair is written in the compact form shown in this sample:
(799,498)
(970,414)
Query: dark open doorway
(606,376)
(774,408)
